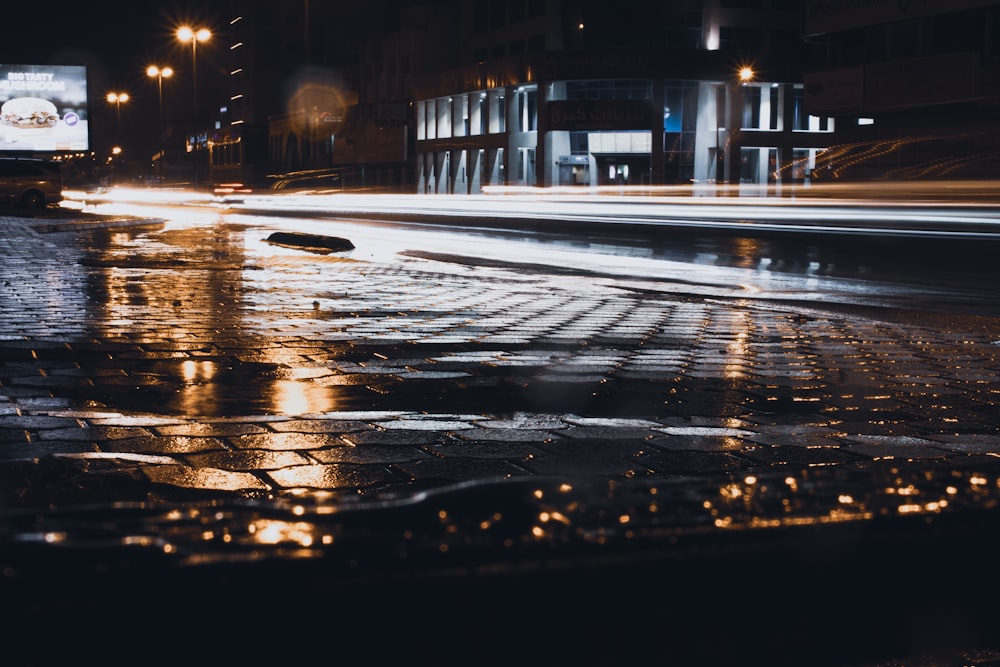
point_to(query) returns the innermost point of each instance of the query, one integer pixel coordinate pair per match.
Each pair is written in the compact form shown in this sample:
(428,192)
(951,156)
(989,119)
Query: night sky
(116,39)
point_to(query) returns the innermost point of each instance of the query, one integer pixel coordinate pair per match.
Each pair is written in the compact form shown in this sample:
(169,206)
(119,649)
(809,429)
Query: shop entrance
(627,169)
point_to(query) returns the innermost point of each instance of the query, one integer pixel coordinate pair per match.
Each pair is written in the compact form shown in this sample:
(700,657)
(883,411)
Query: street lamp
(194,35)
(117,99)
(160,73)
(744,75)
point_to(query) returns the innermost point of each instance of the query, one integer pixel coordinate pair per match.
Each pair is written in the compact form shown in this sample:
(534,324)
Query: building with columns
(557,93)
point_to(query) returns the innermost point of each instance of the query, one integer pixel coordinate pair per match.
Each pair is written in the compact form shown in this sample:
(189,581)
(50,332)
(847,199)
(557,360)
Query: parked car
(30,183)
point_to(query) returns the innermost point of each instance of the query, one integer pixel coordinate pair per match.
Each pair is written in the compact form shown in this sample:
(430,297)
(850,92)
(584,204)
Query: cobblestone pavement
(250,406)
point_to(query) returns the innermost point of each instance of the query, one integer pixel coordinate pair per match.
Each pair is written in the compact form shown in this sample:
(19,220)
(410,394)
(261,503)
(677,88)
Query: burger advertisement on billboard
(43,108)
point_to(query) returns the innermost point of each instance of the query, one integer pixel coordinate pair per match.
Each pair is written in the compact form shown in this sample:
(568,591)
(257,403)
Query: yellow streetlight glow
(188,34)
(746,73)
(160,73)
(194,35)
(118,99)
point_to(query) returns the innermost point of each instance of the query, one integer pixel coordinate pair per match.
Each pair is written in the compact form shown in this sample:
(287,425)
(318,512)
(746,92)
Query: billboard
(43,108)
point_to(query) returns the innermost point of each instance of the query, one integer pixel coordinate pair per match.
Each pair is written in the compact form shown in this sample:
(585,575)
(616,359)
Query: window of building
(611,89)
(515,11)
(750,118)
(536,43)
(802,121)
(578,144)
(741,40)
(498,14)
(903,40)
(460,113)
(536,8)
(497,111)
(431,119)
(527,110)
(444,118)
(498,51)
(480,16)
(761,107)
(950,33)
(515,47)
(993,23)
(682,36)
(477,114)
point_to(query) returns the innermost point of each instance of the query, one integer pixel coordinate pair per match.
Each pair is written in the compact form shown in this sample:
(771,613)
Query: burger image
(29,113)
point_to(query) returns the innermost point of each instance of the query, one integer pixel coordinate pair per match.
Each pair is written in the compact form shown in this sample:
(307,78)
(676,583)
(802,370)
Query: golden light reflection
(292,397)
(270,531)
(197,371)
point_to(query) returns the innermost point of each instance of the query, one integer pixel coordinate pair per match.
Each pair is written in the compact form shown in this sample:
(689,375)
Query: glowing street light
(160,73)
(194,35)
(745,74)
(118,99)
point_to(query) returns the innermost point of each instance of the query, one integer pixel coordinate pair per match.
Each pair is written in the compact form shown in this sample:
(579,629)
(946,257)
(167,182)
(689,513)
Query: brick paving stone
(212,429)
(35,450)
(209,479)
(458,469)
(172,444)
(284,441)
(247,460)
(334,477)
(410,373)
(369,453)
(487,449)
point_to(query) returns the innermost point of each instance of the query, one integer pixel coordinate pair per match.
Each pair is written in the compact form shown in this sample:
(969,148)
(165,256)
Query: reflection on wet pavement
(192,395)
(219,338)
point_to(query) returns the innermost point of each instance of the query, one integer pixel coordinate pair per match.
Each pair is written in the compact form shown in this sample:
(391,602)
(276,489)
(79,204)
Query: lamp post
(160,73)
(194,35)
(117,99)
(744,75)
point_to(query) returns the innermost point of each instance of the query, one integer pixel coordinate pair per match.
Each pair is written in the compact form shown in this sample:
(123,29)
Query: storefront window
(527,110)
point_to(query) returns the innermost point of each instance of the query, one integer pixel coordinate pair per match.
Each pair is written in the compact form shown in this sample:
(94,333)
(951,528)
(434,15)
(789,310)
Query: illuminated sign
(600,115)
(43,108)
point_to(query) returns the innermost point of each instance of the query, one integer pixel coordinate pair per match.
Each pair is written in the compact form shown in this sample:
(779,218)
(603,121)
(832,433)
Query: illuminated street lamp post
(194,35)
(118,99)
(160,73)
(734,149)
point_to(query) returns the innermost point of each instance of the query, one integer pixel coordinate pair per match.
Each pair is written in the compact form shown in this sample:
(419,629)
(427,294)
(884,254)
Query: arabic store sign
(600,115)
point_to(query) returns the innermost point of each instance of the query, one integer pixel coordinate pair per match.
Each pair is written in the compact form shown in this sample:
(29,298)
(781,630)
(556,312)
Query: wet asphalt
(212,454)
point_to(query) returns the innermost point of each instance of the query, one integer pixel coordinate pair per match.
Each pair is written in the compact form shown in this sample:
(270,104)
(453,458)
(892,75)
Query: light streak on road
(969,212)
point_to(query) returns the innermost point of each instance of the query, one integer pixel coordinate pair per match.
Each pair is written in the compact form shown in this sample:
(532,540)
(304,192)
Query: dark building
(559,93)
(914,87)
(286,74)
(454,97)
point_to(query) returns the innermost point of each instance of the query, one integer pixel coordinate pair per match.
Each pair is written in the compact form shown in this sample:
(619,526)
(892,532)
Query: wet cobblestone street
(177,370)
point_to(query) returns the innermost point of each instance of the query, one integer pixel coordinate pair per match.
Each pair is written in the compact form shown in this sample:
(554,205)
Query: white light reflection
(832,207)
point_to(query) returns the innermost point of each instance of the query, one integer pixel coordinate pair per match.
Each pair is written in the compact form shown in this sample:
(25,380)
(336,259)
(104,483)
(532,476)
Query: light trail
(959,212)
